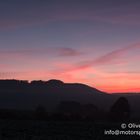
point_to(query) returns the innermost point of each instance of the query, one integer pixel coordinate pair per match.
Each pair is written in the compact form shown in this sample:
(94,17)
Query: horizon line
(29,81)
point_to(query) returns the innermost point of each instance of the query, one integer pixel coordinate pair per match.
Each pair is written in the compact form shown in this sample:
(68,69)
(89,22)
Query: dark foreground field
(59,130)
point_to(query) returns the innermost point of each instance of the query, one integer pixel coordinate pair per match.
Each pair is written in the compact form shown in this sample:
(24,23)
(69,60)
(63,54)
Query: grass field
(58,130)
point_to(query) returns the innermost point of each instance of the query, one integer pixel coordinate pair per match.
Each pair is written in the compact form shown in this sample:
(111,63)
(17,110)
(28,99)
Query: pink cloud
(58,51)
(111,58)
(69,52)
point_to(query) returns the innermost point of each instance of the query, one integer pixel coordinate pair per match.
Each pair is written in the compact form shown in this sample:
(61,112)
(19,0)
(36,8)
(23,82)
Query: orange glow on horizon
(107,82)
(107,73)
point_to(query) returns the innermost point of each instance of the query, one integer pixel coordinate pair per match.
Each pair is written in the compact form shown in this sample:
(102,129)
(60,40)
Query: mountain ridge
(22,94)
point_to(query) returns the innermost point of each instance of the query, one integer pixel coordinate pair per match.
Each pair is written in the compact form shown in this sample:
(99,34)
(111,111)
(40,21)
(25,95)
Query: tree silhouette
(120,111)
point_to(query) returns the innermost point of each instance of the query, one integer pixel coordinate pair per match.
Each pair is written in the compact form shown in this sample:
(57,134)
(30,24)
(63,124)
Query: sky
(95,42)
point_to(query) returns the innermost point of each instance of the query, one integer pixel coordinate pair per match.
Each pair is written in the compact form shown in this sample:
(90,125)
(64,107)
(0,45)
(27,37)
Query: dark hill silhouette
(22,94)
(55,82)
(17,94)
